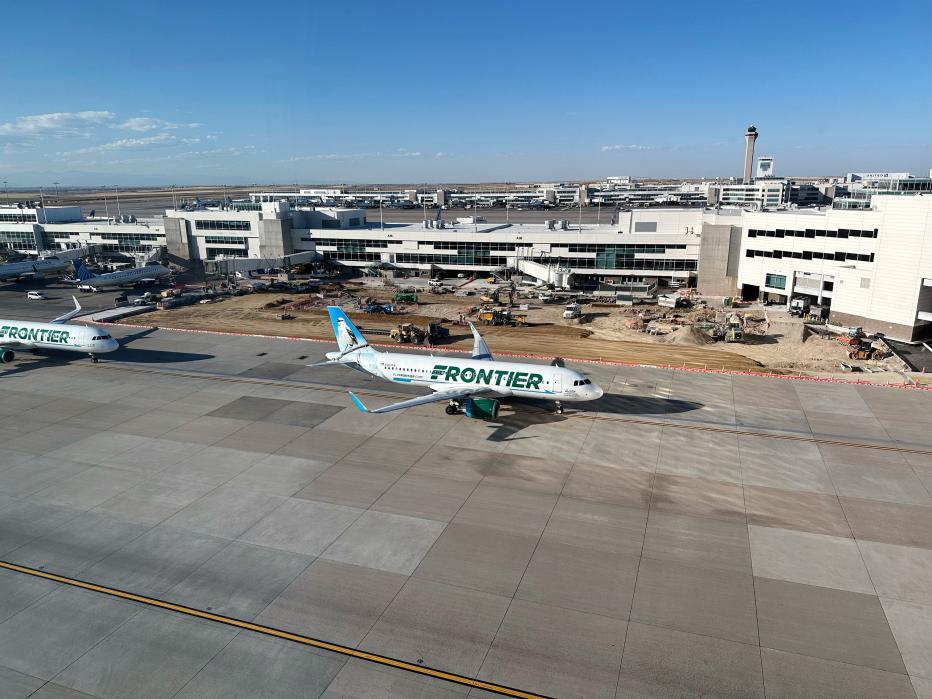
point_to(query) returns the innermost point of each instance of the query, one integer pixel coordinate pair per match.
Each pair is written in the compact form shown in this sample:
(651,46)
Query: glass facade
(224,240)
(226,252)
(18,218)
(18,240)
(211,225)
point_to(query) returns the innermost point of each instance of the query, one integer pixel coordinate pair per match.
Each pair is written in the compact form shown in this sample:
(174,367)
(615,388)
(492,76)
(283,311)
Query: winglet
(480,350)
(70,314)
(358,402)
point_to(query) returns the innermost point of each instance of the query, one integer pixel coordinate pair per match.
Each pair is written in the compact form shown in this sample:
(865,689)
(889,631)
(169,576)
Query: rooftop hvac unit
(564,225)
(551,224)
(441,224)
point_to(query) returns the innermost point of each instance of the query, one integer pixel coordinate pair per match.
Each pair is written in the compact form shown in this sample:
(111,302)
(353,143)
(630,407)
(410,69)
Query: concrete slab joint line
(278,633)
(672,367)
(582,416)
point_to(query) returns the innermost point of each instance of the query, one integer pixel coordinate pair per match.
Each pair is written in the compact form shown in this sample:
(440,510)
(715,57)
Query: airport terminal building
(871,265)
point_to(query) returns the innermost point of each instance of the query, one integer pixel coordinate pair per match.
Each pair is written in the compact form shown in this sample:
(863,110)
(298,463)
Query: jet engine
(7,356)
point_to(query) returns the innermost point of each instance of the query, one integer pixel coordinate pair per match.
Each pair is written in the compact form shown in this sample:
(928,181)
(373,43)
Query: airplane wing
(70,314)
(439,396)
(480,350)
(14,345)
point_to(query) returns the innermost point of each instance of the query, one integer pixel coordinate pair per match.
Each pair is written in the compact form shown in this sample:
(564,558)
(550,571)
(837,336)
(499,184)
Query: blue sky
(149,93)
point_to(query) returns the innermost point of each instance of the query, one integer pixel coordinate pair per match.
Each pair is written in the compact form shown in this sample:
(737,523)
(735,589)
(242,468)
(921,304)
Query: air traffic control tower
(750,137)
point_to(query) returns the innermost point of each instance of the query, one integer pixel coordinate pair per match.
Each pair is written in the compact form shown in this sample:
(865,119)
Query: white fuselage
(32,268)
(504,378)
(24,334)
(128,276)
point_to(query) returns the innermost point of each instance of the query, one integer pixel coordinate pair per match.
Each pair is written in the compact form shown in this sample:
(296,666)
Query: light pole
(57,191)
(174,203)
(580,214)
(119,211)
(381,220)
(45,215)
(6,192)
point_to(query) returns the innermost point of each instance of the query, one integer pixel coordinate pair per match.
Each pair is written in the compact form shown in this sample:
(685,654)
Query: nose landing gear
(94,358)
(559,407)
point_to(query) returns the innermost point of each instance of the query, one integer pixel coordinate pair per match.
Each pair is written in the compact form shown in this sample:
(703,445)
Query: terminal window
(210,225)
(775,281)
(224,240)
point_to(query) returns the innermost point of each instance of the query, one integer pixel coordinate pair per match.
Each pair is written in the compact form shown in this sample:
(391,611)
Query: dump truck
(501,317)
(405,297)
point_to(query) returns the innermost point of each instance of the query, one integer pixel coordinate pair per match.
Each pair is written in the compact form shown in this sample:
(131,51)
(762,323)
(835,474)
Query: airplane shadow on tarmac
(530,413)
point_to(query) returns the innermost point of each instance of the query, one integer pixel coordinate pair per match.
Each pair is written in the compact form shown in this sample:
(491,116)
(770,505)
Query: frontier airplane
(472,385)
(28,335)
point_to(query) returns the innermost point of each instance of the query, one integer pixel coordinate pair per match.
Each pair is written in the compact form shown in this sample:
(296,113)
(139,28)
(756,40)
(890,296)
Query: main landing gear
(453,408)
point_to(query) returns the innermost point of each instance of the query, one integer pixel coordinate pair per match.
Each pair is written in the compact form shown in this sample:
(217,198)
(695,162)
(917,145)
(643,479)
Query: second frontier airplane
(29,335)
(88,281)
(473,385)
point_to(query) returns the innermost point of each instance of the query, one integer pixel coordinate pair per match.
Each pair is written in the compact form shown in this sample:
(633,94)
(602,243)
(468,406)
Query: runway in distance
(472,385)
(55,334)
(33,268)
(88,281)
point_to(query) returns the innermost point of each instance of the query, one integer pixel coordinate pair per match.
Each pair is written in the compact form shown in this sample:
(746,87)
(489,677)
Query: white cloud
(232,151)
(151,124)
(398,153)
(619,146)
(158,141)
(440,154)
(55,123)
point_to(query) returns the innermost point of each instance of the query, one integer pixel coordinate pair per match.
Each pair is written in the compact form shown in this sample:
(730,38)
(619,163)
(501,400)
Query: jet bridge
(231,265)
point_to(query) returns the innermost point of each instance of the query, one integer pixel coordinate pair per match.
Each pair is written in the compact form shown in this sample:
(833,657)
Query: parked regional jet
(28,335)
(33,268)
(88,281)
(461,382)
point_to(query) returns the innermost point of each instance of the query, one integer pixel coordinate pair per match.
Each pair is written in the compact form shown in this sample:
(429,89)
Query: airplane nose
(112,345)
(598,392)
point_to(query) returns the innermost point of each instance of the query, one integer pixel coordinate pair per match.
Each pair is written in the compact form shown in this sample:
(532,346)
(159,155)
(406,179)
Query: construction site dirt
(605,333)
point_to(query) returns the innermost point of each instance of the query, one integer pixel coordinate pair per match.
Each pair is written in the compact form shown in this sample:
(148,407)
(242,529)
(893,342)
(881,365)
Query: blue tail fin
(82,272)
(347,335)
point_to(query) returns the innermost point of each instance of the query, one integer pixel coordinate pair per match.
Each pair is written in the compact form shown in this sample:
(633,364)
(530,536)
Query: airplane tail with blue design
(351,343)
(81,272)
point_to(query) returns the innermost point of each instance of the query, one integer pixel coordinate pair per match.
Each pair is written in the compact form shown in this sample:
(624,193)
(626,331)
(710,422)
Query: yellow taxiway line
(277,633)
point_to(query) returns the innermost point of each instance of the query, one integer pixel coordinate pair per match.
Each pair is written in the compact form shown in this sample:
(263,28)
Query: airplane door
(556,382)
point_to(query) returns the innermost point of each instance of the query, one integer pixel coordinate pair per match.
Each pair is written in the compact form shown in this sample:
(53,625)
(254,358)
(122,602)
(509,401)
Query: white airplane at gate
(460,382)
(29,335)
(33,268)
(87,281)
